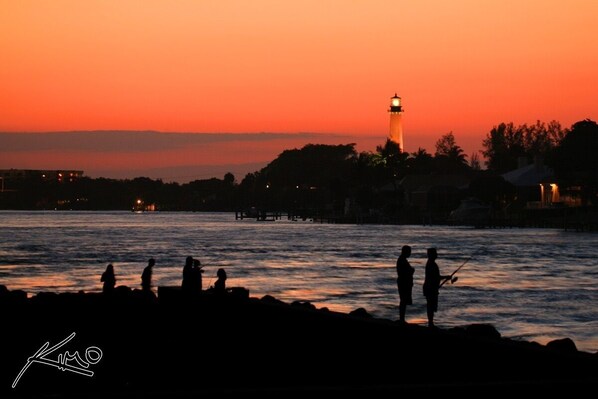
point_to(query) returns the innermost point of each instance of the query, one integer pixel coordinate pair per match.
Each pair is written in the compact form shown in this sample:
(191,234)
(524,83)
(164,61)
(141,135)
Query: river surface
(531,284)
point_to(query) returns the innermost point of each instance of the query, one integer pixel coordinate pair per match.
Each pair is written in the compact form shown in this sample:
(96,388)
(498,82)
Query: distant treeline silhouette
(335,179)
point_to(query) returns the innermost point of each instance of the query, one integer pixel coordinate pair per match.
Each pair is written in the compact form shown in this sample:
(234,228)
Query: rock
(239,292)
(18,295)
(534,344)
(457,330)
(271,299)
(304,304)
(360,312)
(123,291)
(263,347)
(482,331)
(563,345)
(15,296)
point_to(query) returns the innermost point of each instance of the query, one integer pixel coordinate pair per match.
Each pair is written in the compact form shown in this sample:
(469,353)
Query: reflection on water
(530,283)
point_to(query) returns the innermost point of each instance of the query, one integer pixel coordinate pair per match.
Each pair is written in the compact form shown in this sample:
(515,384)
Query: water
(531,284)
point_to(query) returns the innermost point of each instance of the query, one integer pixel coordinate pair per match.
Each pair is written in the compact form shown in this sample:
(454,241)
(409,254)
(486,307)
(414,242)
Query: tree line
(324,178)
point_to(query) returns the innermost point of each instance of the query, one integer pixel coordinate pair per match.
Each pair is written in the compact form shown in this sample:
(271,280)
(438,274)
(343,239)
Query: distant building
(62,176)
(396,124)
(535,184)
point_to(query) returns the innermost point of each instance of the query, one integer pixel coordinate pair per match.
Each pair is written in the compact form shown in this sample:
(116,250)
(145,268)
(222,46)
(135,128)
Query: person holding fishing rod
(432,282)
(404,281)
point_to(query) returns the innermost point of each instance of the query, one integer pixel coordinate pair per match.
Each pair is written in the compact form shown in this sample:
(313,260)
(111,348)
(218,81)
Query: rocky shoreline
(180,345)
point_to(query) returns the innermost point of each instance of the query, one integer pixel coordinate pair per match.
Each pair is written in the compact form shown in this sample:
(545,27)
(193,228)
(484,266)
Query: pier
(261,215)
(265,215)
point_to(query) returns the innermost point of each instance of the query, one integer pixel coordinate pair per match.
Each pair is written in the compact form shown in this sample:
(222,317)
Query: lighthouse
(396,125)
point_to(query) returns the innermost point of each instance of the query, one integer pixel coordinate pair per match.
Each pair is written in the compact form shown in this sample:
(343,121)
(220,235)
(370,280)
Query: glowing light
(138,202)
(542,196)
(556,197)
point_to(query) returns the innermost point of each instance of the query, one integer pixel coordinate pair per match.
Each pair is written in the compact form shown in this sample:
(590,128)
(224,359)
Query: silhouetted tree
(318,174)
(445,144)
(314,164)
(364,181)
(474,162)
(540,139)
(247,191)
(503,145)
(391,160)
(576,160)
(210,194)
(506,143)
(449,157)
(229,179)
(420,162)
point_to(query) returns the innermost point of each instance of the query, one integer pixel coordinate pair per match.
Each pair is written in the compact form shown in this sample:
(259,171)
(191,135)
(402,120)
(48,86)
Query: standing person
(404,281)
(108,279)
(146,276)
(187,275)
(432,284)
(196,277)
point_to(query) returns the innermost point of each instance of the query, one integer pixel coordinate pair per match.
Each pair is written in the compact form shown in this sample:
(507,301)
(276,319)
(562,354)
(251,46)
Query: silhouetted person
(432,284)
(108,279)
(404,281)
(220,285)
(146,276)
(196,278)
(187,272)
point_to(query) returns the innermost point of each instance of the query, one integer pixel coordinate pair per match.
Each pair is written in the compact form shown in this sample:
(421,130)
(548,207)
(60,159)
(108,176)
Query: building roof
(529,175)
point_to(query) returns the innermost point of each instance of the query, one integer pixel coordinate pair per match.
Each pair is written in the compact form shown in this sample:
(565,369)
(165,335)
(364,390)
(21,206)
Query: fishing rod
(451,277)
(210,283)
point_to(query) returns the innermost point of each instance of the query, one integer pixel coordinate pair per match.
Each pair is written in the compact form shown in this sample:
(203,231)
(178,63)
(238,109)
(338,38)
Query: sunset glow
(312,66)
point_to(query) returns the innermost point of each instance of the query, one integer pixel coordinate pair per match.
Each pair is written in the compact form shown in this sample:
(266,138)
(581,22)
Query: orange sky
(306,66)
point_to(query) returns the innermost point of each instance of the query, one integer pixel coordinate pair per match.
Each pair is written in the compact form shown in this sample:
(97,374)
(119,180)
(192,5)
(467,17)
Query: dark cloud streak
(182,174)
(136,141)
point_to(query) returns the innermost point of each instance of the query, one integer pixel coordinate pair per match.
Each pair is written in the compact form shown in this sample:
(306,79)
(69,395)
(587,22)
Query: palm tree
(449,155)
(391,159)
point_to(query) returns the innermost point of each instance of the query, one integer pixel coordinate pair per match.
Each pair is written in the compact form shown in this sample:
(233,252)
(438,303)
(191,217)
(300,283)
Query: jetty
(206,345)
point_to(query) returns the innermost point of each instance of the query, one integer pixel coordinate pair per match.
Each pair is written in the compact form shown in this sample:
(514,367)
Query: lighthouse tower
(396,124)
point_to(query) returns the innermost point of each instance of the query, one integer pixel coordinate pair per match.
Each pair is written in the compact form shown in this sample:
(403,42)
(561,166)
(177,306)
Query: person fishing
(404,281)
(146,276)
(196,276)
(432,282)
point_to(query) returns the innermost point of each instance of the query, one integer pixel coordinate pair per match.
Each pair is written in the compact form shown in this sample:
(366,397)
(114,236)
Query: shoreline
(180,345)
